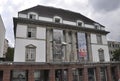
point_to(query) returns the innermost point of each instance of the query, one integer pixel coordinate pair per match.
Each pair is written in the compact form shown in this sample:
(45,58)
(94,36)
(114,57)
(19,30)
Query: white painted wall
(95,55)
(69,22)
(41,33)
(22,41)
(19,55)
(89,26)
(93,38)
(2,37)
(104,39)
(45,19)
(21,31)
(22,15)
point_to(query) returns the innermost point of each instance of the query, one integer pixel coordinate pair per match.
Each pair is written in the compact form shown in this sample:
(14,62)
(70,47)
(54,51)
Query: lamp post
(63,44)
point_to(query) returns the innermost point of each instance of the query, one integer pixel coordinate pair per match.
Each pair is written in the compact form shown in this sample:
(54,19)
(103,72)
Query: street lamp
(63,44)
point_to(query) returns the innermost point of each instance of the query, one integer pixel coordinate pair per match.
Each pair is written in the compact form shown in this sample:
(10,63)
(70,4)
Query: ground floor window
(61,75)
(91,74)
(103,74)
(41,75)
(78,74)
(19,75)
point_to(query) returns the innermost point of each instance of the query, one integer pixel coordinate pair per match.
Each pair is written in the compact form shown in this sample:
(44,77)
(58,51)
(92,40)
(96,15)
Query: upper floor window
(32,15)
(101,55)
(57,19)
(80,23)
(99,39)
(31,32)
(97,26)
(30,52)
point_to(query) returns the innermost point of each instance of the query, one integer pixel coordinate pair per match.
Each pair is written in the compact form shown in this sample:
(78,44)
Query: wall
(22,41)
(95,47)
(2,37)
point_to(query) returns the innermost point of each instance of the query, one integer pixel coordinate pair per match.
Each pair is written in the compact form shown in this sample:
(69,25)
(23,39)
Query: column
(49,45)
(98,73)
(70,74)
(74,49)
(85,74)
(6,75)
(52,75)
(31,75)
(109,76)
(89,50)
(68,49)
(117,71)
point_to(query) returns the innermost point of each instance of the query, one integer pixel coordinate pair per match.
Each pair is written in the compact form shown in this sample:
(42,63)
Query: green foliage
(10,54)
(116,55)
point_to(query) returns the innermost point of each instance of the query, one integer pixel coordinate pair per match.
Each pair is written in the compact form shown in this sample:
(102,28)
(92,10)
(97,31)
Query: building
(2,38)
(54,44)
(6,45)
(43,30)
(113,45)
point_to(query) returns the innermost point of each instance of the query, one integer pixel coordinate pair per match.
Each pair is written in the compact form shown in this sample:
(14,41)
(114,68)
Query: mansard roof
(46,11)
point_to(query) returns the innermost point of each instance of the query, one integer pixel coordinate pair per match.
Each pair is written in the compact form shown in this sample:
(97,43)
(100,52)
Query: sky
(105,12)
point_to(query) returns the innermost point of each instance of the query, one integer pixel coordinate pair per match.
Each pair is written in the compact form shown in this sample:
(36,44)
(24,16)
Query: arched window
(57,19)
(32,15)
(97,26)
(30,53)
(101,55)
(80,23)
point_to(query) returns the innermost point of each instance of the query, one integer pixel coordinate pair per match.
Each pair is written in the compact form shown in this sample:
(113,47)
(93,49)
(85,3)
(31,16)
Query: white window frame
(57,17)
(30,54)
(101,52)
(99,39)
(32,31)
(97,26)
(79,21)
(32,13)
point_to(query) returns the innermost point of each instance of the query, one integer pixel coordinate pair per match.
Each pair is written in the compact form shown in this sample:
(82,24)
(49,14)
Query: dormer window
(57,19)
(32,15)
(97,26)
(80,23)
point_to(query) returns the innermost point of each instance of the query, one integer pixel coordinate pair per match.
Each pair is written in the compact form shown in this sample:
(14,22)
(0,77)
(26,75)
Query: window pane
(30,53)
(18,75)
(31,32)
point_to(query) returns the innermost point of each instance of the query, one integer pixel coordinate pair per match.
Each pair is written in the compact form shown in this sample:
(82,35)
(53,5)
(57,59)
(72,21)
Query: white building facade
(45,34)
(2,37)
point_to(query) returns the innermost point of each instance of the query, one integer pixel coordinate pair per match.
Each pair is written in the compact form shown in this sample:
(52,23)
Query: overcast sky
(106,12)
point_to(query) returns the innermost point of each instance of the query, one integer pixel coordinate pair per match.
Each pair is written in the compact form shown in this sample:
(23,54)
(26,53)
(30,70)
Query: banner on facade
(82,48)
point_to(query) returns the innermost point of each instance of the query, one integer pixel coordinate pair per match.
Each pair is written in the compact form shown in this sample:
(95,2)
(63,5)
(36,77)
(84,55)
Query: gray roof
(46,11)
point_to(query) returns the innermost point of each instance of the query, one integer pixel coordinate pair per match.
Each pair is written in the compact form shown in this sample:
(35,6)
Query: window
(101,55)
(79,23)
(99,39)
(97,26)
(30,53)
(31,32)
(103,74)
(57,19)
(91,74)
(32,16)
(19,75)
(37,75)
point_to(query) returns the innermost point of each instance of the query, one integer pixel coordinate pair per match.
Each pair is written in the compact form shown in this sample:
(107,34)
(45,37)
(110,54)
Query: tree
(116,55)
(10,54)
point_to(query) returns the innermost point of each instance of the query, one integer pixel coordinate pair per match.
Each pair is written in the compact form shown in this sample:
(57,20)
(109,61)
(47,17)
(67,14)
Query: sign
(82,46)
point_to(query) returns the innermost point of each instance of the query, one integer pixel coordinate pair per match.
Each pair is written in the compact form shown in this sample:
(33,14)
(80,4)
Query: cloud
(105,5)
(89,8)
